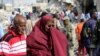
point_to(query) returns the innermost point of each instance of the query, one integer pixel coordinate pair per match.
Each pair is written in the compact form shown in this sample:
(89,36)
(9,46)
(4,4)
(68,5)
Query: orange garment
(81,47)
(79,29)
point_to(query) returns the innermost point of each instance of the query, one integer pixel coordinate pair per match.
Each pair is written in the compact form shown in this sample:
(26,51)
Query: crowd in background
(81,31)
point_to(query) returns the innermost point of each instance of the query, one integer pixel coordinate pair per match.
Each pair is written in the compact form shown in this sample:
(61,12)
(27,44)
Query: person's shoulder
(71,24)
(7,37)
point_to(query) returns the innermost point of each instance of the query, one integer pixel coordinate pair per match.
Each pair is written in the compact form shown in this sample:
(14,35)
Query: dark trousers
(92,51)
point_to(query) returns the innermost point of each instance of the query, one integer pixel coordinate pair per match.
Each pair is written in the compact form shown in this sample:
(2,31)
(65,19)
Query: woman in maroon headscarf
(46,40)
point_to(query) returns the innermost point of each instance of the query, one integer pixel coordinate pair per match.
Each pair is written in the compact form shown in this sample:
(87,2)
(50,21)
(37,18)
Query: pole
(13,3)
(2,3)
(84,5)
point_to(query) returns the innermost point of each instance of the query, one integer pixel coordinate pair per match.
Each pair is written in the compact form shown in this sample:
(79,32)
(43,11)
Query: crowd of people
(63,33)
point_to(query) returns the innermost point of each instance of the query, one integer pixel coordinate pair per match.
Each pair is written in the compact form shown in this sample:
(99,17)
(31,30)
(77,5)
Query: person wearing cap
(69,31)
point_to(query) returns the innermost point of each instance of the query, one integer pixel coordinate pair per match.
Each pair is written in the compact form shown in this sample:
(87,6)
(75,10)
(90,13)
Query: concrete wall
(98,5)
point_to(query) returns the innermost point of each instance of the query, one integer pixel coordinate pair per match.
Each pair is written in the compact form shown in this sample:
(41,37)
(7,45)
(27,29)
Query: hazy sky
(26,1)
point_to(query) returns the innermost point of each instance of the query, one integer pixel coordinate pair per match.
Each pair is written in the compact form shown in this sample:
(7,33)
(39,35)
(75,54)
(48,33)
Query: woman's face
(49,24)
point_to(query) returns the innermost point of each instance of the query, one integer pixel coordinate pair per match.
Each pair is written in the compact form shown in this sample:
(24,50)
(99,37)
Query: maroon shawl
(41,44)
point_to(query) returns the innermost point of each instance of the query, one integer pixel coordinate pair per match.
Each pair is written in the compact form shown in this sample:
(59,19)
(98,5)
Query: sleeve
(77,33)
(4,48)
(70,35)
(74,37)
(70,31)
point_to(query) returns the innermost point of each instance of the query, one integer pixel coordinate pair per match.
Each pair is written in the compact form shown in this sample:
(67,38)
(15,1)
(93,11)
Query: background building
(97,4)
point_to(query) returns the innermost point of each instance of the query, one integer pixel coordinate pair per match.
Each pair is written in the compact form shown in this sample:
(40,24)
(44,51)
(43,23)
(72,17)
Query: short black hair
(81,20)
(13,13)
(43,14)
(28,17)
(55,16)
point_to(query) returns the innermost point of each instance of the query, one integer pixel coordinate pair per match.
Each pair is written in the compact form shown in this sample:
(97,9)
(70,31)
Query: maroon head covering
(40,44)
(43,21)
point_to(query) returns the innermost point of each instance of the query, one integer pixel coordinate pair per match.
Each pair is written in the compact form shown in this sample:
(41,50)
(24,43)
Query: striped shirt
(13,45)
